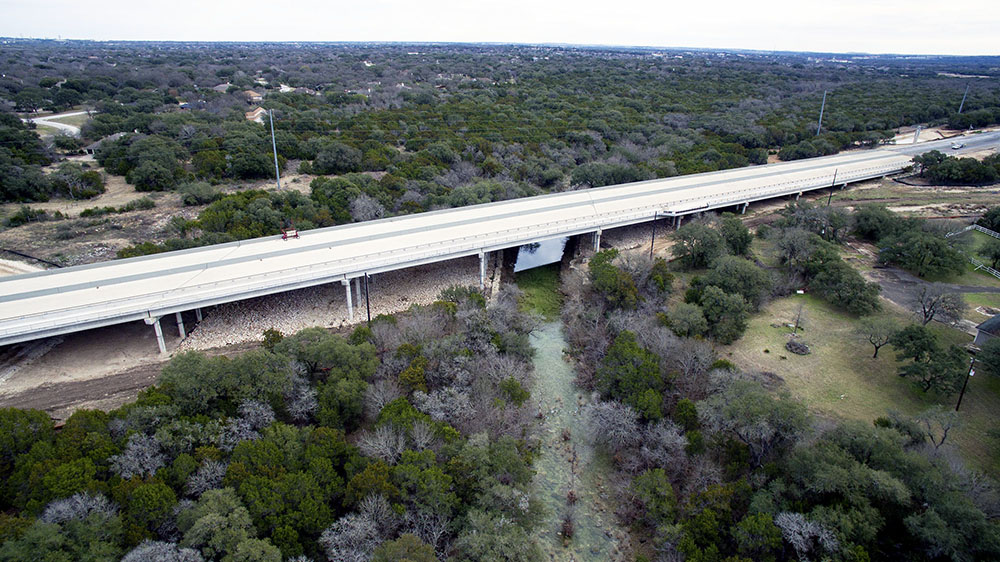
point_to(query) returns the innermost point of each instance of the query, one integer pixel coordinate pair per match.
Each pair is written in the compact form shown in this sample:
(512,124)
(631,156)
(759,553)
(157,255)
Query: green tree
(764,423)
(628,371)
(991,251)
(697,245)
(616,285)
(736,235)
(930,366)
(988,358)
(738,276)
(687,320)
(654,491)
(922,253)
(726,314)
(843,286)
(757,537)
(337,158)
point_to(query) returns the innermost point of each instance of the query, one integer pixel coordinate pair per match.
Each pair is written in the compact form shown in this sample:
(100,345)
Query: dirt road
(48,120)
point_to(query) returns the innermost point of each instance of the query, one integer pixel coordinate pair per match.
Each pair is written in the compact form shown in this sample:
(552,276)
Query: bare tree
(208,477)
(364,207)
(877,330)
(936,303)
(612,425)
(162,552)
(385,443)
(380,393)
(806,537)
(142,456)
(78,506)
(937,422)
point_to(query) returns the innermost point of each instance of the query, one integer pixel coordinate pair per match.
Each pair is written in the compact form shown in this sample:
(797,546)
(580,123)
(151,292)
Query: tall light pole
(653,237)
(961,105)
(972,363)
(274,145)
(819,125)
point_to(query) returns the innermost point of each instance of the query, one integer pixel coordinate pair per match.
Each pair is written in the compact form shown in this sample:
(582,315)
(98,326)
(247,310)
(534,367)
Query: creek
(570,475)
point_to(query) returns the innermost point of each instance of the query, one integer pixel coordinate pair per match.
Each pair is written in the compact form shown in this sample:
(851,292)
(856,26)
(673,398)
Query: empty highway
(55,302)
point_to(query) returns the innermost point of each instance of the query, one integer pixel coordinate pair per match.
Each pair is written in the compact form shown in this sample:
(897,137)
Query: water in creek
(540,253)
(570,477)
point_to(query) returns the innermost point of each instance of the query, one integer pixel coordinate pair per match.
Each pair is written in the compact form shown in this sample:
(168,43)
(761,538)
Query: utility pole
(819,125)
(653,238)
(274,145)
(961,105)
(972,372)
(832,187)
(368,303)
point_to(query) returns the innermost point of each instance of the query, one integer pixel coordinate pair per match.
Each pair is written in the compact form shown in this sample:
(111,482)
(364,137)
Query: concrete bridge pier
(357,290)
(597,241)
(197,314)
(350,302)
(155,322)
(482,271)
(745,205)
(180,325)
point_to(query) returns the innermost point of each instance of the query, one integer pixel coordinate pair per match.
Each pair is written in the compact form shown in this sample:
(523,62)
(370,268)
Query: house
(222,88)
(987,330)
(256,115)
(92,148)
(252,96)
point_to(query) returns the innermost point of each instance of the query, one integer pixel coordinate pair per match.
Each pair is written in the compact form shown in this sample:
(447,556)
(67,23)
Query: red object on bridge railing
(287,233)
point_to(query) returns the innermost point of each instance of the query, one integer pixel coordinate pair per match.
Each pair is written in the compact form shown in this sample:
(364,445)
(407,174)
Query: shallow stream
(568,463)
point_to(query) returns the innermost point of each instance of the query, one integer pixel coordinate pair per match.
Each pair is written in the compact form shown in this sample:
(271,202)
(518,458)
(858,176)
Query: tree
(922,253)
(991,251)
(615,284)
(736,235)
(930,367)
(878,331)
(653,490)
(988,358)
(766,424)
(628,372)
(687,320)
(841,285)
(337,158)
(726,314)
(698,245)
(738,276)
(875,222)
(407,547)
(936,303)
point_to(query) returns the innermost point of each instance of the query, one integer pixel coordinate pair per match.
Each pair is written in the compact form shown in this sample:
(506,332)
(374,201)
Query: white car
(957,145)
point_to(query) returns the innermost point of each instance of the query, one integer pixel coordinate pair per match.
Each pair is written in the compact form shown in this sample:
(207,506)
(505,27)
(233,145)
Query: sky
(969,27)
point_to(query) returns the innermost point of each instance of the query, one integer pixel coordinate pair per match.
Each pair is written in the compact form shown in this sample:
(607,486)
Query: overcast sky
(969,27)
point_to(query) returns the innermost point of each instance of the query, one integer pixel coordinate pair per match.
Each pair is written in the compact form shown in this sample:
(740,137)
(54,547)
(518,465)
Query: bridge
(147,288)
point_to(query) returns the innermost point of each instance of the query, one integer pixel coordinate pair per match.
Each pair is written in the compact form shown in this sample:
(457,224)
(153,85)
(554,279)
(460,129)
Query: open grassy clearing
(541,290)
(75,120)
(976,300)
(839,379)
(908,195)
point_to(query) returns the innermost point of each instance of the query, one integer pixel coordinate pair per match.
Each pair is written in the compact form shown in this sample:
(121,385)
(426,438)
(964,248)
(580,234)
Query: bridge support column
(350,303)
(155,322)
(745,205)
(357,290)
(680,220)
(197,314)
(597,241)
(180,325)
(797,195)
(482,272)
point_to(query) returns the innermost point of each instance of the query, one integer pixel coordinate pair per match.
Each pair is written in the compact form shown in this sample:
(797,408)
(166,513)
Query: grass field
(839,379)
(541,290)
(75,120)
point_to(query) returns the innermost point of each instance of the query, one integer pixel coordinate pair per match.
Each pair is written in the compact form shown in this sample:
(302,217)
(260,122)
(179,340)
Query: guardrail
(247,286)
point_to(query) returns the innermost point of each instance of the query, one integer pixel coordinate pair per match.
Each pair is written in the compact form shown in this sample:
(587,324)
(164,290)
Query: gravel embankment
(326,305)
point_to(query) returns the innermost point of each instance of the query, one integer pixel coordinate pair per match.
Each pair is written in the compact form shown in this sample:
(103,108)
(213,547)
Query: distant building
(222,88)
(256,114)
(92,148)
(987,330)
(252,96)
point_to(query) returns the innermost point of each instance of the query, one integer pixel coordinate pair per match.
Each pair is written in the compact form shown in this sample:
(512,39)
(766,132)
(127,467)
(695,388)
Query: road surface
(47,120)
